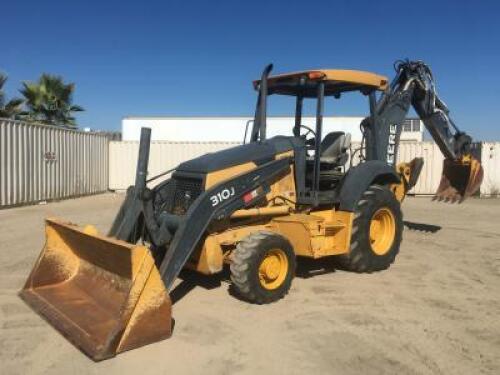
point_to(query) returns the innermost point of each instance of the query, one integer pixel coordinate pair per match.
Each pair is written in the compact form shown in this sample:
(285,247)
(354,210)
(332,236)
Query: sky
(198,58)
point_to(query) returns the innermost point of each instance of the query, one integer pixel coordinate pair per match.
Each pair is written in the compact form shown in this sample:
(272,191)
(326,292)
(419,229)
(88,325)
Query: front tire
(376,232)
(263,267)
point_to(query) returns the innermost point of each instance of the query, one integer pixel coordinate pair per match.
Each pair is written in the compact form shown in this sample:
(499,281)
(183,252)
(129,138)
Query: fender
(359,178)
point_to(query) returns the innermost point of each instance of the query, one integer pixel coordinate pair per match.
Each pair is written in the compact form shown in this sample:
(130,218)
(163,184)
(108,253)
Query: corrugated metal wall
(167,155)
(163,156)
(431,172)
(433,164)
(40,163)
(490,159)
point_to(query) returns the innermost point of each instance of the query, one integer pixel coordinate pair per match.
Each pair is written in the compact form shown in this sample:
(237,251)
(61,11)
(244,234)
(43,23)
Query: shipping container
(490,159)
(430,176)
(41,163)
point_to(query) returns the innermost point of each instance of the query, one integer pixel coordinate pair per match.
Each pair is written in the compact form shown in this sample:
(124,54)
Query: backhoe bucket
(104,295)
(460,179)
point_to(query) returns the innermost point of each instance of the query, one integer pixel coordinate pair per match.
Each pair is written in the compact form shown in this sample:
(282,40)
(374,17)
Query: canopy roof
(336,81)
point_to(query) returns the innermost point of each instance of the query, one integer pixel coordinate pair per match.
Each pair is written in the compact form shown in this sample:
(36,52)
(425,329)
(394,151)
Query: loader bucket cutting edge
(460,179)
(104,295)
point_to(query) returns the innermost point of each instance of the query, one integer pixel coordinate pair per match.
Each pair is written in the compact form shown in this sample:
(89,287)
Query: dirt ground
(436,310)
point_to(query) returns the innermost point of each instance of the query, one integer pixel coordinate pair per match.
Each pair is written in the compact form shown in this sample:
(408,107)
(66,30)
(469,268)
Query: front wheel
(262,267)
(376,232)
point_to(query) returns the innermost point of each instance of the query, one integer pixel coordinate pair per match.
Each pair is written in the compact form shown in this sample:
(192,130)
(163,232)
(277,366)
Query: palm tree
(49,101)
(12,108)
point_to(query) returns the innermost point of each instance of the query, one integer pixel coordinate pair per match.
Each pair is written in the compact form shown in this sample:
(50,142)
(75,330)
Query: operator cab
(320,162)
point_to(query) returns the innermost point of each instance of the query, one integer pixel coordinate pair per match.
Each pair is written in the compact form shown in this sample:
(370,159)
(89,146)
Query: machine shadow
(306,268)
(429,228)
(191,279)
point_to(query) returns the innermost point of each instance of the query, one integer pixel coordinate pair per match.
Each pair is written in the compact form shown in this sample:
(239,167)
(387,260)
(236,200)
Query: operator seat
(334,155)
(334,148)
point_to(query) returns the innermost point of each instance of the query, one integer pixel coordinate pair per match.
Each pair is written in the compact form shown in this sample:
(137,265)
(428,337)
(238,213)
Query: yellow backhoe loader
(255,208)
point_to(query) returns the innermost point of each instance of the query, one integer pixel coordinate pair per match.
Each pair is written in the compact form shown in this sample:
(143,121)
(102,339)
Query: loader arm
(414,86)
(213,204)
(181,234)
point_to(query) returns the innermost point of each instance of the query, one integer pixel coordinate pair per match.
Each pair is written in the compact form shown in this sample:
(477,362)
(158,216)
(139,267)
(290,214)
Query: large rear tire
(376,232)
(262,267)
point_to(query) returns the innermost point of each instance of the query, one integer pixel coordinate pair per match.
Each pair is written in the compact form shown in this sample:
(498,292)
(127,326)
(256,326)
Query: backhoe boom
(414,86)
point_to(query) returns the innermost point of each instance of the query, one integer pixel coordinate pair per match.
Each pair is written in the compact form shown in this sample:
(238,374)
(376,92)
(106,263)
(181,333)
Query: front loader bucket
(104,295)
(460,179)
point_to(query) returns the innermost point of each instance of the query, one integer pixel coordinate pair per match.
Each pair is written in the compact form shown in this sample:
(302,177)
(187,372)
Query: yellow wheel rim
(273,269)
(382,231)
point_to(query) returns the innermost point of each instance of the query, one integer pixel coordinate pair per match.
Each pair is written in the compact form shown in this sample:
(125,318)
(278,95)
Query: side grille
(183,193)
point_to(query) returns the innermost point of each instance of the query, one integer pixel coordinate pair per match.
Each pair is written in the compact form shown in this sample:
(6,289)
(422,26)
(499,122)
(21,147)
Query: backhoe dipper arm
(412,86)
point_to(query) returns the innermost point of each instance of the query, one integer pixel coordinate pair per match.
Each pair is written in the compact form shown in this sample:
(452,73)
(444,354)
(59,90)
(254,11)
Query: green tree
(12,108)
(50,101)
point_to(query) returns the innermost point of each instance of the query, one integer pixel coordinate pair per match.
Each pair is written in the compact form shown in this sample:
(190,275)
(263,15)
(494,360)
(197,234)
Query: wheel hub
(382,231)
(273,269)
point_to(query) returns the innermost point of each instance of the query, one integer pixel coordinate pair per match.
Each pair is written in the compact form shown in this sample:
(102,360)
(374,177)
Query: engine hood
(257,152)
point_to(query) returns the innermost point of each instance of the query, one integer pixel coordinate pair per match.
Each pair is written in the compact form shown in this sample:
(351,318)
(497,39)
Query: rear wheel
(376,232)
(262,267)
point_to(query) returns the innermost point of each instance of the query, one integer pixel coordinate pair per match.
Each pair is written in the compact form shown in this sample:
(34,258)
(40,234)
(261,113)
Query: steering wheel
(311,141)
(309,131)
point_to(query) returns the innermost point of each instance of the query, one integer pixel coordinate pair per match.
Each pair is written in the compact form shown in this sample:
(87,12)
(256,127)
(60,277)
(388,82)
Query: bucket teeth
(460,179)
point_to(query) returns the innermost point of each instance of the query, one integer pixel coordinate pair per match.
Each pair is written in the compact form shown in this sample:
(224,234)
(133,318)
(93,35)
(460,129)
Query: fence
(40,163)
(167,155)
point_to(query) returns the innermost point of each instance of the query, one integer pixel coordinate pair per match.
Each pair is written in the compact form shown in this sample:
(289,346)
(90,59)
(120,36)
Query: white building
(232,129)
